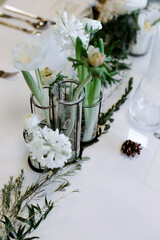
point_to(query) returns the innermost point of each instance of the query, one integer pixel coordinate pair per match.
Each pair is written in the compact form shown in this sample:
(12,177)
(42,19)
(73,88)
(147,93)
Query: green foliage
(33,86)
(59,77)
(118,34)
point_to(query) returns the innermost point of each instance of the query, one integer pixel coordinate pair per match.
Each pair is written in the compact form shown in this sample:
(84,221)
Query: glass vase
(142,45)
(45,114)
(68,113)
(90,115)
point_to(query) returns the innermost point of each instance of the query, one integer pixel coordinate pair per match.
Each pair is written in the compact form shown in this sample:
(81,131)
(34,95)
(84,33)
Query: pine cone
(130,148)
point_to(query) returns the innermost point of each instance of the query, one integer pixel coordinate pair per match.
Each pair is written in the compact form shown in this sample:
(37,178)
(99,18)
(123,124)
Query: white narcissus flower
(95,57)
(91,25)
(30,55)
(146,18)
(50,148)
(30,121)
(115,8)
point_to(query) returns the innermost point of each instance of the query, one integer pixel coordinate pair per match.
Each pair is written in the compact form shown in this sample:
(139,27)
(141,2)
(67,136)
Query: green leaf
(20,231)
(24,220)
(8,226)
(32,85)
(100,44)
(31,238)
(63,186)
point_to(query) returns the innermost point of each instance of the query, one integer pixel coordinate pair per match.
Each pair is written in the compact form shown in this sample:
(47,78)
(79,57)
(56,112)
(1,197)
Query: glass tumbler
(145,104)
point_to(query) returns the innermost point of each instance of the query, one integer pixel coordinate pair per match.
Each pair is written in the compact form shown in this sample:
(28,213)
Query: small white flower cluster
(48,147)
(91,24)
(67,30)
(114,8)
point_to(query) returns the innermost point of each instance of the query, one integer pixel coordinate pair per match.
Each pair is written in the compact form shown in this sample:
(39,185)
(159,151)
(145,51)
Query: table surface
(113,202)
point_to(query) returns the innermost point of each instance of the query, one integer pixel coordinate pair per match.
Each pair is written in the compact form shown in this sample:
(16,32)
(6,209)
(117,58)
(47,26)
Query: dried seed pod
(130,148)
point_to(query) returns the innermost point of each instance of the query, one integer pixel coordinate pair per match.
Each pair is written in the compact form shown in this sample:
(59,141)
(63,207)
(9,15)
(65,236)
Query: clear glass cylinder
(45,114)
(142,45)
(90,115)
(68,112)
(145,104)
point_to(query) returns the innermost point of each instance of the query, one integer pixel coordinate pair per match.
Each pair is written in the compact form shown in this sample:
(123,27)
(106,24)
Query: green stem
(78,57)
(81,86)
(39,80)
(95,91)
(101,45)
(43,102)
(91,113)
(37,92)
(155,22)
(84,76)
(76,96)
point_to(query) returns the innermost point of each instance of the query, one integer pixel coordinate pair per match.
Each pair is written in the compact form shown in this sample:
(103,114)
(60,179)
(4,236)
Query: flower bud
(48,76)
(95,57)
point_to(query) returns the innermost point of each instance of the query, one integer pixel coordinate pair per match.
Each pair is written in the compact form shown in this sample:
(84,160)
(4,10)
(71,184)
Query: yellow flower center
(28,59)
(147,26)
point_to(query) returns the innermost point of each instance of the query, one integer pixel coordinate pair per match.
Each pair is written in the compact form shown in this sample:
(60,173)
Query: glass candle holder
(142,45)
(45,114)
(90,115)
(68,113)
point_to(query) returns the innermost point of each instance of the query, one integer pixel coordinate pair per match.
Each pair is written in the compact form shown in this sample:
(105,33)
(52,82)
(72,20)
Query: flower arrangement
(126,24)
(19,215)
(90,62)
(48,147)
(27,57)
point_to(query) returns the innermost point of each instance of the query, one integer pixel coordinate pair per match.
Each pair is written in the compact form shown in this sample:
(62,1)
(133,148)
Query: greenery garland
(16,203)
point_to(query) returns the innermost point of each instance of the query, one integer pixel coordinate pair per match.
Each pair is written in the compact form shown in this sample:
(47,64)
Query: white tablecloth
(113,202)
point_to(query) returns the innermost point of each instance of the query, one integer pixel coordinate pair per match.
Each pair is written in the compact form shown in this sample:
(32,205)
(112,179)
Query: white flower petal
(91,24)
(29,56)
(30,121)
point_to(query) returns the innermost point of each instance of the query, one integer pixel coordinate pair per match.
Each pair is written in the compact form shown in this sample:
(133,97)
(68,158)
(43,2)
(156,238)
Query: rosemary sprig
(19,216)
(105,119)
